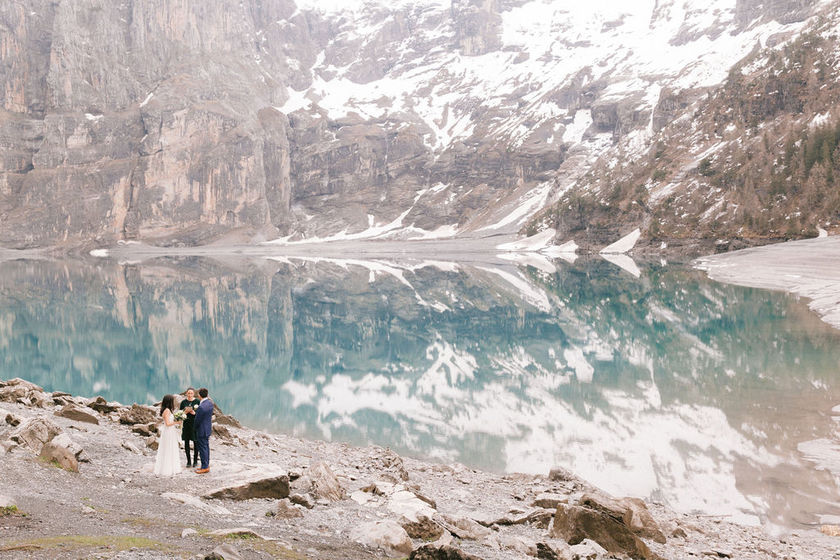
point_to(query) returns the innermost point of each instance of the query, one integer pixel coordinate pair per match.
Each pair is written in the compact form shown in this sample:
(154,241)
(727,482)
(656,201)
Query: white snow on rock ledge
(809,268)
(530,244)
(622,245)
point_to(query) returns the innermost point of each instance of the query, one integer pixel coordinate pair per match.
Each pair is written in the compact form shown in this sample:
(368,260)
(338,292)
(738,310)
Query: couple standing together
(197,415)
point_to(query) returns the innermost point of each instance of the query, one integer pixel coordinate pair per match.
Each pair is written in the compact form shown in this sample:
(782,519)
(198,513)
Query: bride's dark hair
(167,402)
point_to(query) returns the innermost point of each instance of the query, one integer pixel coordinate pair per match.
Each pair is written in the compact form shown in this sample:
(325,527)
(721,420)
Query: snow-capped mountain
(404,119)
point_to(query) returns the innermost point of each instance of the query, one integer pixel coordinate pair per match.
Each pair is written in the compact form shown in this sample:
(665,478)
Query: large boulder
(139,414)
(64,440)
(409,506)
(632,511)
(59,455)
(34,433)
(576,523)
(321,483)
(383,534)
(270,487)
(445,552)
(287,510)
(555,550)
(462,527)
(22,391)
(222,433)
(422,528)
(145,430)
(77,413)
(99,404)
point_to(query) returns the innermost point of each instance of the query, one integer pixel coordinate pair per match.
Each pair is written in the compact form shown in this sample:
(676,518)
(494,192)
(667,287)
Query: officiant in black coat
(188,405)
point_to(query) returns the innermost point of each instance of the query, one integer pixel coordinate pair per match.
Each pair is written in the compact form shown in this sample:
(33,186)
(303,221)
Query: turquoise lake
(707,397)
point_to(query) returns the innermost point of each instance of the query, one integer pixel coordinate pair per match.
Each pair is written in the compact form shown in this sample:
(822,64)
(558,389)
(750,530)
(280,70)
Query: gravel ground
(114,507)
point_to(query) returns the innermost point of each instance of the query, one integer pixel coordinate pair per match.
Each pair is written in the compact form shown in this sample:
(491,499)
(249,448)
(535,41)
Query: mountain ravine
(181,123)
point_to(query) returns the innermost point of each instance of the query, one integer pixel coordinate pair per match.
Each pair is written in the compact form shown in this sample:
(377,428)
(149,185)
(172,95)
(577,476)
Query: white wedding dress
(168,460)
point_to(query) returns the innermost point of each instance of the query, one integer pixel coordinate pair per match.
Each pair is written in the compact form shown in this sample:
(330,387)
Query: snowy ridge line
(636,39)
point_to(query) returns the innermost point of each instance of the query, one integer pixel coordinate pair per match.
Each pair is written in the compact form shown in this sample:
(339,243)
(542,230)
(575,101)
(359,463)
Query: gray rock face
(135,120)
(178,124)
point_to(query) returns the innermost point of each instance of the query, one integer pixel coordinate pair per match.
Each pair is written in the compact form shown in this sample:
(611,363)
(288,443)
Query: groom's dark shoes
(202,471)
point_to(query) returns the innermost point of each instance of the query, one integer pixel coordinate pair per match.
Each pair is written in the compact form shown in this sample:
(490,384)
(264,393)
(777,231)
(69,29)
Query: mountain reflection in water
(666,386)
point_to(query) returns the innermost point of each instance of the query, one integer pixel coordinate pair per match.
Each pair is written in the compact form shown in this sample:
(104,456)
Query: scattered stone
(559,474)
(446,552)
(631,511)
(679,533)
(59,455)
(587,550)
(830,530)
(550,501)
(131,447)
(6,502)
(224,552)
(152,443)
(188,532)
(383,534)
(517,543)
(576,523)
(423,528)
(406,504)
(77,413)
(285,510)
(463,528)
(222,433)
(195,502)
(18,390)
(139,414)
(415,489)
(11,419)
(269,487)
(302,500)
(557,550)
(325,485)
(361,497)
(444,540)
(145,430)
(225,419)
(718,553)
(641,521)
(99,404)
(241,532)
(34,433)
(392,465)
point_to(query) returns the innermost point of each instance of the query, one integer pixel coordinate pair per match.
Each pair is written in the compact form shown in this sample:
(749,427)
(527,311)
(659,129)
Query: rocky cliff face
(138,119)
(178,122)
(757,161)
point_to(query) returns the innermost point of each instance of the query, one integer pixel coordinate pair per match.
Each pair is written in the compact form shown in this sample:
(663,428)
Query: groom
(203,428)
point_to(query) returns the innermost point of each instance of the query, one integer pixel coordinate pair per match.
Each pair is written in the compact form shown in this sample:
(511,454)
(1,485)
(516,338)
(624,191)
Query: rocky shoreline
(76,482)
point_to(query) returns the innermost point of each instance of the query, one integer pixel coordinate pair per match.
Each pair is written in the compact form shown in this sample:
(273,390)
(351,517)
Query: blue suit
(203,429)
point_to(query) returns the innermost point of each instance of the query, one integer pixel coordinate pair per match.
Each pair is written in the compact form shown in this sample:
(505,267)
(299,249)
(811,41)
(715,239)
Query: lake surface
(667,386)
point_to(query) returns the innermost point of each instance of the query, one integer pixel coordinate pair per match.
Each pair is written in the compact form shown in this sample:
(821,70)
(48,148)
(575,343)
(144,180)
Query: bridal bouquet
(180,415)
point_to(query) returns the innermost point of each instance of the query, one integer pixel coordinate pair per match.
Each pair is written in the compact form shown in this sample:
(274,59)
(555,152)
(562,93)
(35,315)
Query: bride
(168,460)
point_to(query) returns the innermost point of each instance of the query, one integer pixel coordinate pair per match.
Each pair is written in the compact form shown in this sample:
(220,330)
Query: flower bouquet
(179,415)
